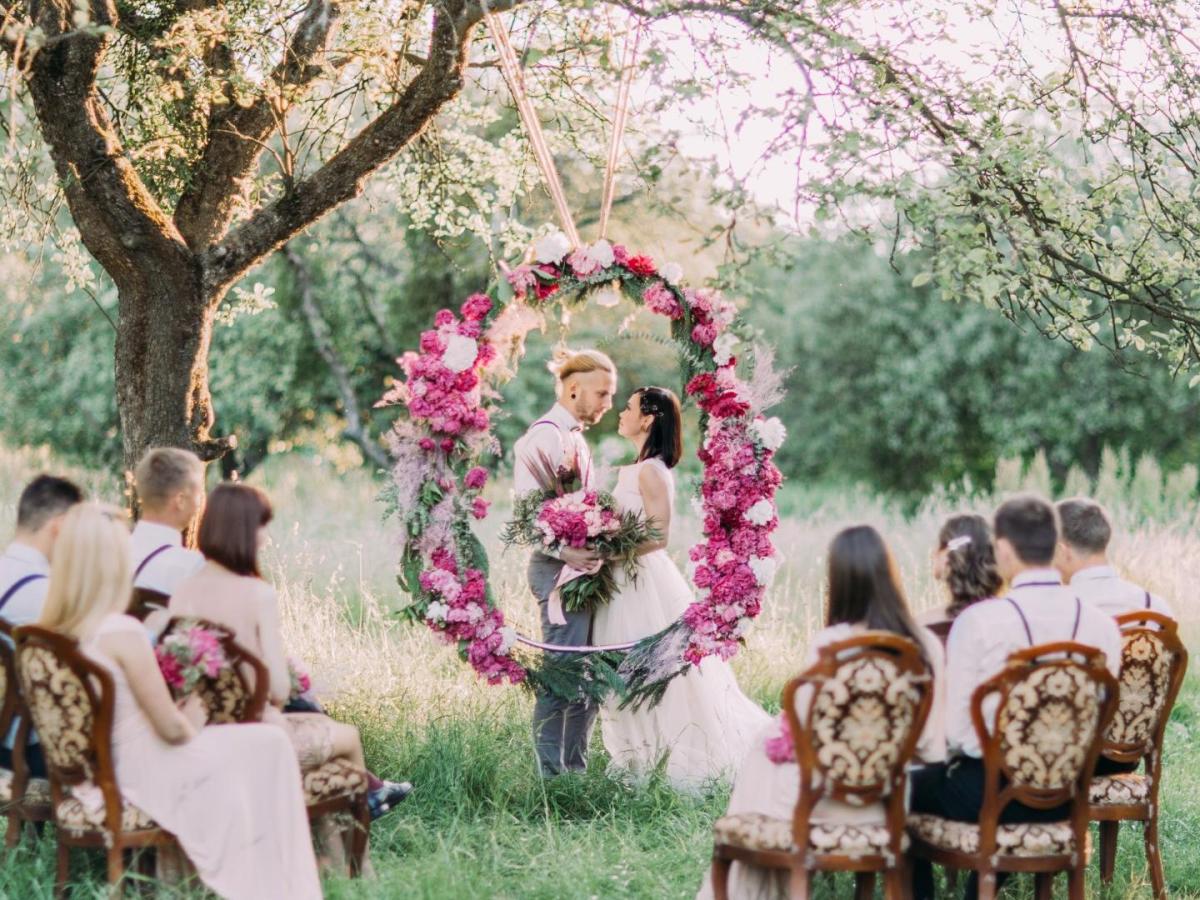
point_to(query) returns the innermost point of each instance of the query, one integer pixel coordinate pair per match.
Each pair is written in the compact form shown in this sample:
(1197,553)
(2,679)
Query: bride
(704,723)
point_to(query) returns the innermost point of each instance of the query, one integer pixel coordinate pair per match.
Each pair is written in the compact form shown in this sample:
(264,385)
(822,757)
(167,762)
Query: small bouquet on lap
(559,515)
(301,697)
(189,655)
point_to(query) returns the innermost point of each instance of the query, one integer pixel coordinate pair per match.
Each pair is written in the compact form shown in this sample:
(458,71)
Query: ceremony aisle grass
(481,823)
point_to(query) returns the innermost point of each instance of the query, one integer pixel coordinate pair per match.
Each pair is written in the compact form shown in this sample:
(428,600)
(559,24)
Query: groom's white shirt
(170,566)
(555,441)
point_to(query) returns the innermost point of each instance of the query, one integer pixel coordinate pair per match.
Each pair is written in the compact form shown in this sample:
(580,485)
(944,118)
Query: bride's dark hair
(665,440)
(864,586)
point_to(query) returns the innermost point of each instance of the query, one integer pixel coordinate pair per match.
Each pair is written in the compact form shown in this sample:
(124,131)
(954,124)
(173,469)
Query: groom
(585,383)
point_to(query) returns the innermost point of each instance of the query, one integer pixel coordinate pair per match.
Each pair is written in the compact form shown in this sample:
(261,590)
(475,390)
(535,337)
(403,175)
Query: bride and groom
(703,725)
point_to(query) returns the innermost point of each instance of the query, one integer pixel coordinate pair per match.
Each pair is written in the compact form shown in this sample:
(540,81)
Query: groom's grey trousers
(561,728)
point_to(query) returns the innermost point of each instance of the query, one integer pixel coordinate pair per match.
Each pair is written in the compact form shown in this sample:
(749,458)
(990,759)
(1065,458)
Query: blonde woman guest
(864,594)
(229,591)
(230,794)
(965,561)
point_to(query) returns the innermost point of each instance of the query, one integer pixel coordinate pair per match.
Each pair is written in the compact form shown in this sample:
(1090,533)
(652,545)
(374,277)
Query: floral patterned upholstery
(754,831)
(860,720)
(1145,683)
(1046,724)
(336,778)
(1119,790)
(1047,839)
(37,791)
(226,696)
(61,708)
(82,812)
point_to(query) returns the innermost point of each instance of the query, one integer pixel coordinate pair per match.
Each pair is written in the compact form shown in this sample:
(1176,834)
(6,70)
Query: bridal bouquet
(550,519)
(189,654)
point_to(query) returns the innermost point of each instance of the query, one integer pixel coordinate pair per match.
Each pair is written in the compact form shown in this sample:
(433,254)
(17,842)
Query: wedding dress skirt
(704,724)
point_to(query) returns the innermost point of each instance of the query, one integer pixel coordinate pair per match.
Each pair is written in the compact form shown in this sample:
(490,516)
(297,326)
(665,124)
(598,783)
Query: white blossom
(724,346)
(761,513)
(460,354)
(552,248)
(436,611)
(763,568)
(672,273)
(771,432)
(508,638)
(602,252)
(743,626)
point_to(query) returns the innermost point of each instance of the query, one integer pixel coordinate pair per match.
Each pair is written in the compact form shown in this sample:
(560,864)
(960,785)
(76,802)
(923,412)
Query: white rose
(672,273)
(723,347)
(763,568)
(552,248)
(460,353)
(508,638)
(745,623)
(436,612)
(771,433)
(760,513)
(602,252)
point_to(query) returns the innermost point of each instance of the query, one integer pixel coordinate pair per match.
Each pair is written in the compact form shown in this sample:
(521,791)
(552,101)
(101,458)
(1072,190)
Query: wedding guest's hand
(195,711)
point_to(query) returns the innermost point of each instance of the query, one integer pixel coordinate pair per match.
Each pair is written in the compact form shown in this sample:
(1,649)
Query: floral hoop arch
(449,393)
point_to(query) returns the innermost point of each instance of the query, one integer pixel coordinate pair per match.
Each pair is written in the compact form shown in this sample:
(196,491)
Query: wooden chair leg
(1043,885)
(897,882)
(799,883)
(116,872)
(987,884)
(1154,859)
(1108,850)
(952,880)
(63,873)
(720,877)
(864,885)
(13,833)
(1075,881)
(358,842)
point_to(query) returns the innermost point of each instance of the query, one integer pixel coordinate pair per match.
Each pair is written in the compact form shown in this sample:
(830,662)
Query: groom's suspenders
(20,583)
(145,562)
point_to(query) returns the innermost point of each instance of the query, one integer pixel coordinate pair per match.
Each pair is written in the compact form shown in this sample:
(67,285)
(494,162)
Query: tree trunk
(163,337)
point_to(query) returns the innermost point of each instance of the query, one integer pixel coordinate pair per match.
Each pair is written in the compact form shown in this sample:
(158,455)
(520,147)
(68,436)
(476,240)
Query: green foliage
(905,392)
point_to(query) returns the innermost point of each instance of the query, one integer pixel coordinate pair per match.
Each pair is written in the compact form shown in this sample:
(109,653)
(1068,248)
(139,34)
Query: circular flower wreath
(437,479)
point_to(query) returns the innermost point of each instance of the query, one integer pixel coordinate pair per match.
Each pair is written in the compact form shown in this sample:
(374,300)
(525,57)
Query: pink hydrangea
(661,299)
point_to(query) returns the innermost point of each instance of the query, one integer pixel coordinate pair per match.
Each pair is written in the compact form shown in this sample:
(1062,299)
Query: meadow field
(481,823)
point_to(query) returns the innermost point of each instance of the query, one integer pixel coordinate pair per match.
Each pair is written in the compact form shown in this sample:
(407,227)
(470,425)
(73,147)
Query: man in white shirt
(1038,610)
(585,384)
(1082,558)
(24,575)
(170,488)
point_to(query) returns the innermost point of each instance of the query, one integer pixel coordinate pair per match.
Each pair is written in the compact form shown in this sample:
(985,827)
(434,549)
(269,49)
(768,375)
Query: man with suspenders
(24,574)
(170,489)
(1082,558)
(585,384)
(1038,609)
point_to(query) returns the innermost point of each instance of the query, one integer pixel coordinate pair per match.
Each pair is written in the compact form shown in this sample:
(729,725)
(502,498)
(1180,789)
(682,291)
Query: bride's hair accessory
(958,543)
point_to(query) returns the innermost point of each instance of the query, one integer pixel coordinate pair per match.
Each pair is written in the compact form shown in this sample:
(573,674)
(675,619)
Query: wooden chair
(1153,663)
(22,798)
(877,677)
(145,601)
(240,695)
(70,699)
(1054,702)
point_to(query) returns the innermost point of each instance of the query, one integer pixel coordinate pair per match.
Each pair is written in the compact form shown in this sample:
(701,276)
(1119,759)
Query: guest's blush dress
(231,795)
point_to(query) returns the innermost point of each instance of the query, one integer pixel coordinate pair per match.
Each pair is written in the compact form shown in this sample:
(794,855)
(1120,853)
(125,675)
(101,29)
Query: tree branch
(318,328)
(237,135)
(342,176)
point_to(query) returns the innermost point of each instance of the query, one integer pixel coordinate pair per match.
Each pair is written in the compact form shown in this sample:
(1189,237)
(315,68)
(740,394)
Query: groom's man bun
(567,362)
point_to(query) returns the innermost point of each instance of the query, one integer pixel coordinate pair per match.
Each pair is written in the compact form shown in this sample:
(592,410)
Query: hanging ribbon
(511,69)
(620,114)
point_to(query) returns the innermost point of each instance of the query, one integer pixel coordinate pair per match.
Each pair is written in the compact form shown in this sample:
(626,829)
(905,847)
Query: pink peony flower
(704,335)
(476,307)
(781,748)
(661,299)
(641,265)
(583,263)
(476,478)
(444,318)
(479,508)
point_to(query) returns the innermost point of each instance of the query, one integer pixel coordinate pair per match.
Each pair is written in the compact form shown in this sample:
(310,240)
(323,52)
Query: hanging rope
(620,114)
(511,69)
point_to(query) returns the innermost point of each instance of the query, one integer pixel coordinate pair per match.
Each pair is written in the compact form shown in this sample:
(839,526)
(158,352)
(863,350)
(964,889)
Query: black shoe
(386,798)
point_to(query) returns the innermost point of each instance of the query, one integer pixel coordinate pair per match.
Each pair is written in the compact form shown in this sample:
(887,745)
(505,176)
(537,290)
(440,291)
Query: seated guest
(24,572)
(864,594)
(230,794)
(1082,558)
(1038,610)
(170,489)
(229,591)
(966,561)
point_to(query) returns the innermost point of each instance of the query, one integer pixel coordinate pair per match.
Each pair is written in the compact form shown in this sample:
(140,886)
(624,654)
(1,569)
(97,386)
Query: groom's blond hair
(567,362)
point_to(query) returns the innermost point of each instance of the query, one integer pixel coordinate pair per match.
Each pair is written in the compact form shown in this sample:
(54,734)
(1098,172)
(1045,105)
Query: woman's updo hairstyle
(665,440)
(971,561)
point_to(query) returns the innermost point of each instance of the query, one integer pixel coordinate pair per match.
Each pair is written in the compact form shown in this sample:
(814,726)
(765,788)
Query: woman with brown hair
(965,561)
(230,591)
(864,594)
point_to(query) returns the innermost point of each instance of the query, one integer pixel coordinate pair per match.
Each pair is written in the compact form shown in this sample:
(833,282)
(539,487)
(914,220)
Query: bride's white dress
(704,724)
